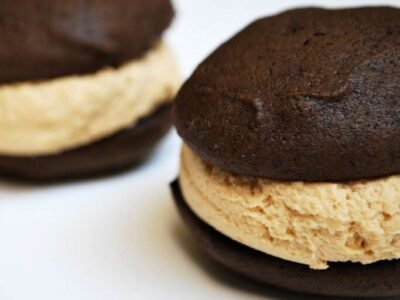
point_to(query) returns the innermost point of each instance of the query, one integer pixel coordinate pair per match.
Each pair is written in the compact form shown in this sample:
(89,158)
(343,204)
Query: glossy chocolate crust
(310,95)
(43,39)
(123,150)
(341,279)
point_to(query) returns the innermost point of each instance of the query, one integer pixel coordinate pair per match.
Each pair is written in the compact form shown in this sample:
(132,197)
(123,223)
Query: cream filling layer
(48,117)
(307,223)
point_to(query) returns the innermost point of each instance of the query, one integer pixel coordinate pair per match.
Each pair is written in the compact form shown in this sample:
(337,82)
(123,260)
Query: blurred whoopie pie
(85,85)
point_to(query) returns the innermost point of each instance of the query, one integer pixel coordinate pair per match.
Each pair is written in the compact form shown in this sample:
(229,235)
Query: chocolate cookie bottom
(341,279)
(122,150)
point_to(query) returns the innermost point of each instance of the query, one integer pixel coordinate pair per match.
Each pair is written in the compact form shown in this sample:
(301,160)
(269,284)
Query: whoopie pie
(291,158)
(85,85)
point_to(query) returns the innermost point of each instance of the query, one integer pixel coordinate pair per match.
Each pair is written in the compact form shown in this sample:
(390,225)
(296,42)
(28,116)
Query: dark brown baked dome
(43,39)
(310,94)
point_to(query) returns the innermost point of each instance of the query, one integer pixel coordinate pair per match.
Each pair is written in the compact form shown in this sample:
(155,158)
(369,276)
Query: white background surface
(120,237)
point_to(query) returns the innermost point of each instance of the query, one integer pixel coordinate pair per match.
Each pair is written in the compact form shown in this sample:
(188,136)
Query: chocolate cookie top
(43,39)
(310,94)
